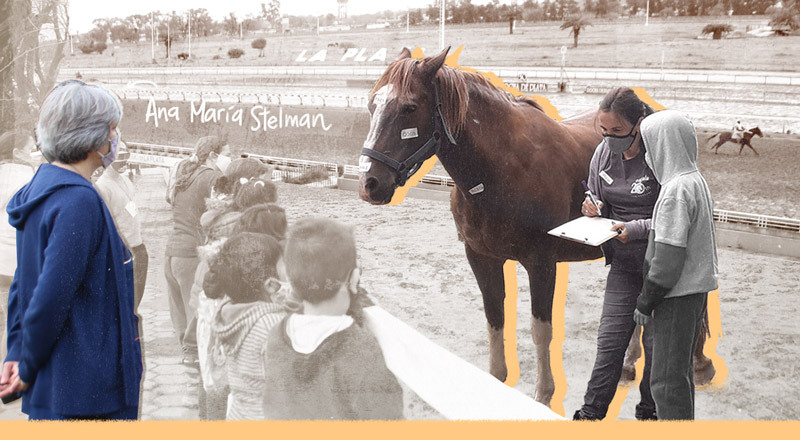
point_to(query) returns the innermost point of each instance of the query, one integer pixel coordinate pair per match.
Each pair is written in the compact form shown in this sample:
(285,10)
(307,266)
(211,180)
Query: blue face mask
(109,157)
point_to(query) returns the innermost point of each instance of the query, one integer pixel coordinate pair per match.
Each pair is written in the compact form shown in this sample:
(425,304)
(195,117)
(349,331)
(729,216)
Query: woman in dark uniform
(627,191)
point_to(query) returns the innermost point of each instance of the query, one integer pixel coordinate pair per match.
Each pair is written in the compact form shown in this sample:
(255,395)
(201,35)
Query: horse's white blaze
(381,98)
(364,164)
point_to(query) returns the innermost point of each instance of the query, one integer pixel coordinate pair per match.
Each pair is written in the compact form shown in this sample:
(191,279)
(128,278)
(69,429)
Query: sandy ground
(414,265)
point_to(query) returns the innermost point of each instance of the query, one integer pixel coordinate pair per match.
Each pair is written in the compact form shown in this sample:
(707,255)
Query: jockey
(738,131)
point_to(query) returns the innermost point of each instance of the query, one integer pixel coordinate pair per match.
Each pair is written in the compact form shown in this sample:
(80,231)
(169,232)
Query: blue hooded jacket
(71,324)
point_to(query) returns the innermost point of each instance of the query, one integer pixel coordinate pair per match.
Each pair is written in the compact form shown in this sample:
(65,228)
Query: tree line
(464,11)
(131,28)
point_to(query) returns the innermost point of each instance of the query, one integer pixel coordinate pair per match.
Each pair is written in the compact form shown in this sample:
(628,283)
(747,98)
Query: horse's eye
(410,108)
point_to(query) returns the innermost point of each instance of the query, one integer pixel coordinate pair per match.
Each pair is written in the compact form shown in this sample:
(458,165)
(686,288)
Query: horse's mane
(455,85)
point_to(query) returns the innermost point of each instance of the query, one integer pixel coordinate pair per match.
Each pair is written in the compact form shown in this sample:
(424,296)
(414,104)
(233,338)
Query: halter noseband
(405,169)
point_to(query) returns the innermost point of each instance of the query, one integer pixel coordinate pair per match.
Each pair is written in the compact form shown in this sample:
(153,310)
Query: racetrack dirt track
(415,267)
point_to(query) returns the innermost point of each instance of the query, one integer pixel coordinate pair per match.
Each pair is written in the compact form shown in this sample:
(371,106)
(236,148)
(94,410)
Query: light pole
(190,34)
(441,27)
(647,14)
(152,38)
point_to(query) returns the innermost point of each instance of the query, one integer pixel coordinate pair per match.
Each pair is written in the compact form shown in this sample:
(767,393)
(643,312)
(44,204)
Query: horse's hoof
(628,374)
(499,373)
(704,372)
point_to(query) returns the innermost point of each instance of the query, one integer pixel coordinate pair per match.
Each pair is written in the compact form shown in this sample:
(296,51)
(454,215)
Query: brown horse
(517,174)
(727,136)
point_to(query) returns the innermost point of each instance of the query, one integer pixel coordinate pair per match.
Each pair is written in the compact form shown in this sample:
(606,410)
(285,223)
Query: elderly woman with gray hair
(73,343)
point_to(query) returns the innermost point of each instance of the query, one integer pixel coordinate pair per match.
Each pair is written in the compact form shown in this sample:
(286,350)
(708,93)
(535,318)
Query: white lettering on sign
(380,55)
(409,133)
(146,159)
(319,56)
(530,86)
(353,53)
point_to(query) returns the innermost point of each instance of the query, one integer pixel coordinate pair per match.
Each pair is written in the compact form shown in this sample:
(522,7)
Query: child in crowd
(323,364)
(265,218)
(680,266)
(219,222)
(244,274)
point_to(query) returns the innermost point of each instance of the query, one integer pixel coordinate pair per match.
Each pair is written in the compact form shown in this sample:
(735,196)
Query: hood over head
(233,322)
(670,142)
(47,180)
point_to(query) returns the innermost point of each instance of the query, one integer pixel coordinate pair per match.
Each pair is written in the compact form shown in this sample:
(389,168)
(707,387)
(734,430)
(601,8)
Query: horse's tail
(712,136)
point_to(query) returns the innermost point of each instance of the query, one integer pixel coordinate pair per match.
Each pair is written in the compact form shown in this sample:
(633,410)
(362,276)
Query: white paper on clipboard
(593,231)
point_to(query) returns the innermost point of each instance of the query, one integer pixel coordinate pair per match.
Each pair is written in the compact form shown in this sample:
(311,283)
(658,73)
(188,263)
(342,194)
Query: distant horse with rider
(727,136)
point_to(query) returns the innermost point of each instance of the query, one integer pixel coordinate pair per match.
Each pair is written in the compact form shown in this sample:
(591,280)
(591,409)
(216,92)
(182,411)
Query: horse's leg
(703,367)
(632,355)
(489,274)
(751,147)
(542,276)
(741,147)
(717,145)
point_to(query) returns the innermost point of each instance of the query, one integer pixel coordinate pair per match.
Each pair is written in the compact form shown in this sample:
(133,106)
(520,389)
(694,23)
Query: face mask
(620,144)
(223,162)
(109,157)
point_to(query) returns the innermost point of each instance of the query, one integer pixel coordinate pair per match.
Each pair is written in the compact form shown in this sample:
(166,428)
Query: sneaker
(191,360)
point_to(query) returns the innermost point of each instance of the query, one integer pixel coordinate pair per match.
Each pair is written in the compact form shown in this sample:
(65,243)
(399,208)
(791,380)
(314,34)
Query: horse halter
(405,169)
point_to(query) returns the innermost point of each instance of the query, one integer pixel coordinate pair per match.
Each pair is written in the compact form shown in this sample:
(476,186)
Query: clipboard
(593,231)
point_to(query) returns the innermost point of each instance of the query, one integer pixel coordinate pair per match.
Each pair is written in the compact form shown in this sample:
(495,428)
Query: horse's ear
(405,53)
(432,65)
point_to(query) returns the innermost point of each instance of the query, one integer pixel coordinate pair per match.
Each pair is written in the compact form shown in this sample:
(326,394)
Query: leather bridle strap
(405,169)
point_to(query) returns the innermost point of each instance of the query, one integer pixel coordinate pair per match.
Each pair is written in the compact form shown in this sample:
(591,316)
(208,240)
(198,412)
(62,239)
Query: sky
(83,12)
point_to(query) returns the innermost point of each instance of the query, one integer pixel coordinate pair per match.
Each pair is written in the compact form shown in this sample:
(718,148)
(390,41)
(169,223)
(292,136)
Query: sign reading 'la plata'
(353,54)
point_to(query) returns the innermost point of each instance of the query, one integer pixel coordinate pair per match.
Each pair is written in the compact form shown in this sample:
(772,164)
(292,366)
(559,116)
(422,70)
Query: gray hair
(74,120)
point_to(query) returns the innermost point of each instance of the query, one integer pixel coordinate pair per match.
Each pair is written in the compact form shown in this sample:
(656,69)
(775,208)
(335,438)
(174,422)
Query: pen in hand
(589,194)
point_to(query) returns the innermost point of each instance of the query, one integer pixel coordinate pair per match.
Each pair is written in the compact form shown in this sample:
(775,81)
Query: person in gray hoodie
(680,263)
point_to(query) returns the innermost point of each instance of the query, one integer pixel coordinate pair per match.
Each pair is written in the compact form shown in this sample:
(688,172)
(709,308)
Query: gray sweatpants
(676,325)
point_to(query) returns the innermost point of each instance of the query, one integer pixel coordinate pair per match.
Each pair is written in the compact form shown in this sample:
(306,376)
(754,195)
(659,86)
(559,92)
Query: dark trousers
(676,324)
(623,286)
(140,262)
